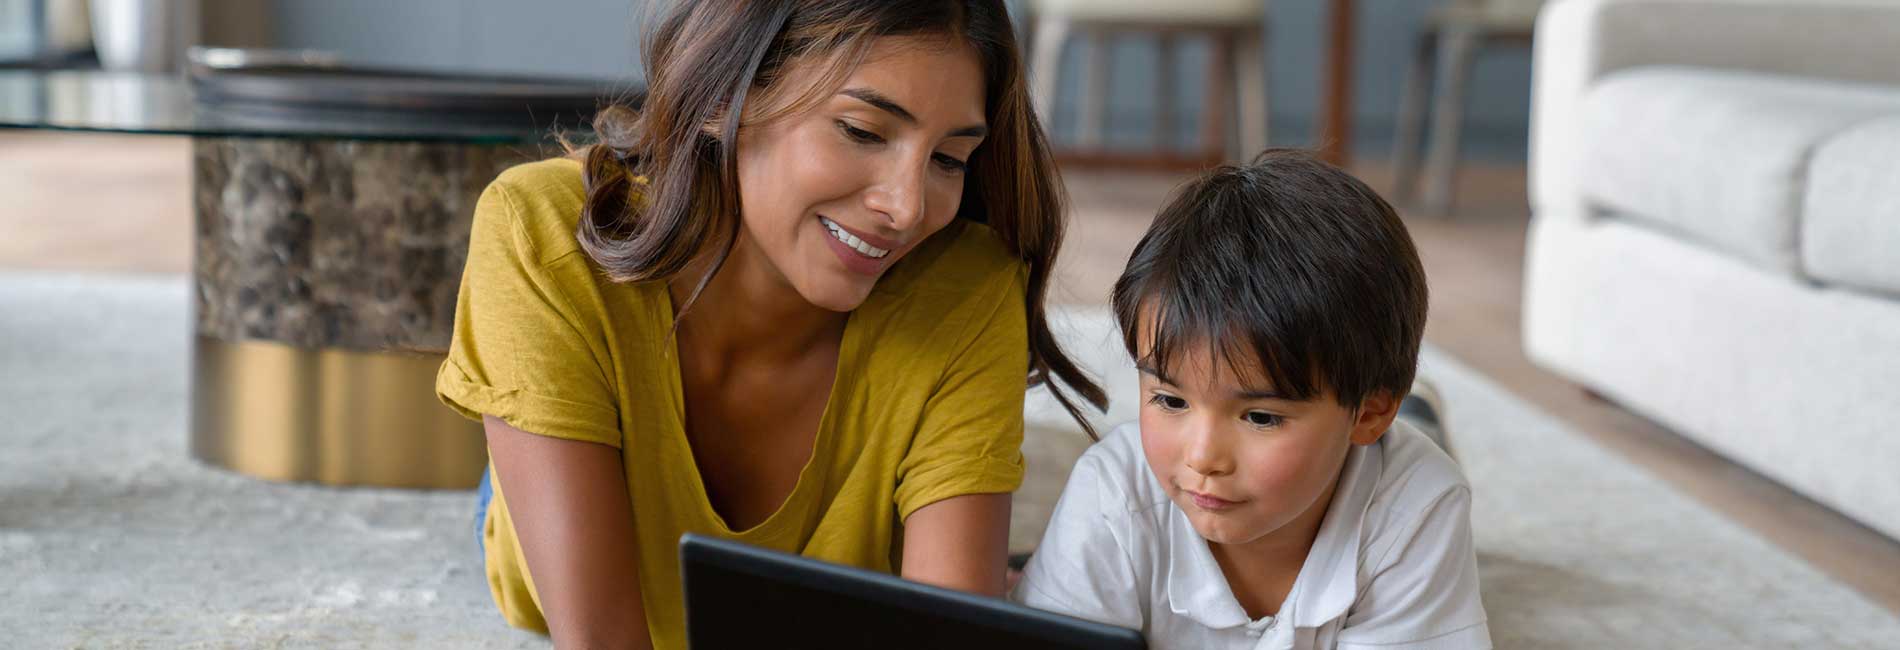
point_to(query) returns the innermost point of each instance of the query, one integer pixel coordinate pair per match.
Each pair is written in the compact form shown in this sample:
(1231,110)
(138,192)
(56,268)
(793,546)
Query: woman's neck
(749,312)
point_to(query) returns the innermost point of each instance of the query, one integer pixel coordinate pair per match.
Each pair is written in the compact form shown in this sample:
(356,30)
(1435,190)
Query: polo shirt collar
(1328,580)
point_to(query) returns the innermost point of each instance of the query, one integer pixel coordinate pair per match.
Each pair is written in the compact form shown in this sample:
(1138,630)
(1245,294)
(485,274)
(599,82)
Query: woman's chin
(840,297)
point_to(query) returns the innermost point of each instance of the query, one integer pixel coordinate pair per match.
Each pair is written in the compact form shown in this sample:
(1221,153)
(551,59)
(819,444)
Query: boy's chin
(1222,528)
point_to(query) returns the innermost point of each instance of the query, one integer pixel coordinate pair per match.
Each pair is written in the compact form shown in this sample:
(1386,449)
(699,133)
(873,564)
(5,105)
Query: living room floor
(122,205)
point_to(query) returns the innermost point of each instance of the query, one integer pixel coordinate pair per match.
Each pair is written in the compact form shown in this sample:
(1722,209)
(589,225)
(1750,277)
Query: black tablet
(740,596)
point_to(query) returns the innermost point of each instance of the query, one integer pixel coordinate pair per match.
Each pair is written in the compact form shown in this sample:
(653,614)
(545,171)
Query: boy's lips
(1209,501)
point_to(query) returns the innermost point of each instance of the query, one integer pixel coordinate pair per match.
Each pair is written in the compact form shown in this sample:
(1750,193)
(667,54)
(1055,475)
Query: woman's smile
(860,252)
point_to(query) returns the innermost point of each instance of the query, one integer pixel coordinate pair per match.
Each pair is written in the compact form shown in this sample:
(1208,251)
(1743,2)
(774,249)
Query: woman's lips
(853,259)
(868,238)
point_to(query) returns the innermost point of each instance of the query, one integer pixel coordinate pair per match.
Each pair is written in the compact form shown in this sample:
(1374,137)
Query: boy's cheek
(1159,444)
(1161,451)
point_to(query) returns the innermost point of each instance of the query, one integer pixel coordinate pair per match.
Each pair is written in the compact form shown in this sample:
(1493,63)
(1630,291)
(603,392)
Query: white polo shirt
(1392,566)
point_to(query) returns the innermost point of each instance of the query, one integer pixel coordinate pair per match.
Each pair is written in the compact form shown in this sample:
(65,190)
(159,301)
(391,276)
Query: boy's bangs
(1256,347)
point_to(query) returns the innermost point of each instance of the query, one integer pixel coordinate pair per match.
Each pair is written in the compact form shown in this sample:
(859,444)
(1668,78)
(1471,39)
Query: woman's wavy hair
(705,59)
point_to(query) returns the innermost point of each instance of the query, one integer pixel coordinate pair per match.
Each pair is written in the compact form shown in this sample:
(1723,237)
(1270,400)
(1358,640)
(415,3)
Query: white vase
(143,35)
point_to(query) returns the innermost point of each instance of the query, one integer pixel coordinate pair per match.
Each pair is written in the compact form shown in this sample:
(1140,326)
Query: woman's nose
(899,195)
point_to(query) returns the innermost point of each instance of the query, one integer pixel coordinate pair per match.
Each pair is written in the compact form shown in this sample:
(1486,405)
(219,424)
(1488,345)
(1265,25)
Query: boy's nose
(1204,453)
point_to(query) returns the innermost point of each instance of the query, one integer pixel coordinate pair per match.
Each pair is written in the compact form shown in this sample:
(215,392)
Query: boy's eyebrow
(1153,372)
(1254,394)
(879,101)
(1244,393)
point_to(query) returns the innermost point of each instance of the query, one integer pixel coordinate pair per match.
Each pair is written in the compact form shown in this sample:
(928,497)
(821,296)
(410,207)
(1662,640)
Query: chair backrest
(1138,11)
(1526,8)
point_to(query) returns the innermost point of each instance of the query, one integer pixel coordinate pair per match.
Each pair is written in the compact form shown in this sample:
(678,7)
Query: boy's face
(1242,463)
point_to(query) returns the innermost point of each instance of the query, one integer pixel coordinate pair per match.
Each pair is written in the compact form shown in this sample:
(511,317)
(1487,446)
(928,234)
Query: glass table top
(463,110)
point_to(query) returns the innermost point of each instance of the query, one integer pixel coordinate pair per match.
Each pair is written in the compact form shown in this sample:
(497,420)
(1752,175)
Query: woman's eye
(1262,419)
(859,135)
(1168,402)
(950,164)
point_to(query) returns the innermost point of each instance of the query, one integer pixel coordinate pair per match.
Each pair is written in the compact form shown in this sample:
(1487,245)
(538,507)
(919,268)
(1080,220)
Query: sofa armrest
(1581,41)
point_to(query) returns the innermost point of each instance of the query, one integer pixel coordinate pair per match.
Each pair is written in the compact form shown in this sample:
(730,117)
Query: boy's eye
(1168,402)
(1262,419)
(859,135)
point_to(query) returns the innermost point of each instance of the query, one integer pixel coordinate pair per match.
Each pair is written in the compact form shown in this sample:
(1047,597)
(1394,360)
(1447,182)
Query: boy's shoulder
(1415,473)
(1415,478)
(1116,469)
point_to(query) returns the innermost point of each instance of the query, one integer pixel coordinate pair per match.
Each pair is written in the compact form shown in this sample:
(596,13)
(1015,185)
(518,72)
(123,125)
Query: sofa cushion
(1716,156)
(1850,224)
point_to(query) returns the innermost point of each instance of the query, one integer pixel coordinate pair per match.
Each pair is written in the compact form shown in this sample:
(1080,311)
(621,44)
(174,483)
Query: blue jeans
(483,494)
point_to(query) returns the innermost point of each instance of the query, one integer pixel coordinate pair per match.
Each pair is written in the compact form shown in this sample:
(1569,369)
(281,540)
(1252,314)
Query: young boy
(1267,499)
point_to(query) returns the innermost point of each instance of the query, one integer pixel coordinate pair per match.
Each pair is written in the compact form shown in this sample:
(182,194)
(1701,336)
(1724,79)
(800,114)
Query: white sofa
(1715,242)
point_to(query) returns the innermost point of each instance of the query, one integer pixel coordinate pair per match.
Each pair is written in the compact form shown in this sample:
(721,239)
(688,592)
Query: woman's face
(833,196)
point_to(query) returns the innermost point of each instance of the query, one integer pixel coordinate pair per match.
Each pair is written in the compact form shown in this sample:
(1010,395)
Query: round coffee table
(332,222)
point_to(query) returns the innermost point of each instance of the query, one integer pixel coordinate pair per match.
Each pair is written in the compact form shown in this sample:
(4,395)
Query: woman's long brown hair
(705,59)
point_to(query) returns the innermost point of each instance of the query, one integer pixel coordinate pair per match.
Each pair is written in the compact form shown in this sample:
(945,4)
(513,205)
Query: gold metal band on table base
(336,417)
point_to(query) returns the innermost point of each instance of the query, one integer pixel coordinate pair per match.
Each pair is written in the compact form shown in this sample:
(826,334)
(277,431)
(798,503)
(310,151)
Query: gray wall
(575,38)
(235,23)
(19,37)
(597,38)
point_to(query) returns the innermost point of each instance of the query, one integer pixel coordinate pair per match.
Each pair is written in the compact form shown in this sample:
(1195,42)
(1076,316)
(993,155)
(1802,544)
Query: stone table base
(325,280)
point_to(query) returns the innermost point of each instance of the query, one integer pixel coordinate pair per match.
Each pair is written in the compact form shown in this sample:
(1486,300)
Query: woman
(791,302)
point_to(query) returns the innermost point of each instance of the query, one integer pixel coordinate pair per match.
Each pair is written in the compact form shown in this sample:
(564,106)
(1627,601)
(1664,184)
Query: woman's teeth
(851,240)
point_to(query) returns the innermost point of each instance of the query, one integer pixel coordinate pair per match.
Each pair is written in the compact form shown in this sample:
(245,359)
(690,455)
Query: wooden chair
(1444,52)
(1236,74)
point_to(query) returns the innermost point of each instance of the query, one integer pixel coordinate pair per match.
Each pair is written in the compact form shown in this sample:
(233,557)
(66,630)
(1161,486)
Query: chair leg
(1455,48)
(1252,90)
(1045,67)
(1164,92)
(1215,112)
(1411,117)
(1094,89)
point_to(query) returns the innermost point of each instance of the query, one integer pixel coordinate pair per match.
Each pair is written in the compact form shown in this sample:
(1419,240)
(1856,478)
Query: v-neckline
(821,442)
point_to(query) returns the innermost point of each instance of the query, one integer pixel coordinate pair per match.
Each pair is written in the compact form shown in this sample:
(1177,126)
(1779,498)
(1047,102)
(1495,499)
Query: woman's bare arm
(569,504)
(960,543)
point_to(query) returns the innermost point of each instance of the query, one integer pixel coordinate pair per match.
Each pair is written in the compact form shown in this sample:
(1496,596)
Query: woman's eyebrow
(879,101)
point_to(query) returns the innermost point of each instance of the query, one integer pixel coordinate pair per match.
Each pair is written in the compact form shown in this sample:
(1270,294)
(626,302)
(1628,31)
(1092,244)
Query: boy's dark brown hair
(1287,261)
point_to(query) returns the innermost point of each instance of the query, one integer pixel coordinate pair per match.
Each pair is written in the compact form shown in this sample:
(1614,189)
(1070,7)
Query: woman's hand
(959,543)
(572,515)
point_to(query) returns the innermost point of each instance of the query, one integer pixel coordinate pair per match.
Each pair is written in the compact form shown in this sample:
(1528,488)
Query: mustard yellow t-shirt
(927,404)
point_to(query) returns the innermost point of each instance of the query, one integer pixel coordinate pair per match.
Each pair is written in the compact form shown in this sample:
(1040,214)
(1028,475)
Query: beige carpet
(110,537)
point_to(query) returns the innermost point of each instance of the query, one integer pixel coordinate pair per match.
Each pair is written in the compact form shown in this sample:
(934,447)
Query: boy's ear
(1376,413)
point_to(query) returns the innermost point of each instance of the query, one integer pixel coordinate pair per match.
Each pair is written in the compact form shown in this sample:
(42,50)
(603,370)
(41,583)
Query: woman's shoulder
(966,258)
(957,289)
(542,200)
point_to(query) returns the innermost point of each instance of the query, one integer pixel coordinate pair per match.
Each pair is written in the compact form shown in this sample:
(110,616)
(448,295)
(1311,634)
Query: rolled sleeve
(969,440)
(522,352)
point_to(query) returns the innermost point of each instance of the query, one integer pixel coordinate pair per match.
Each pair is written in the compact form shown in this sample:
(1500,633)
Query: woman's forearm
(959,543)
(571,512)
